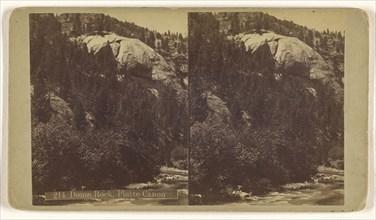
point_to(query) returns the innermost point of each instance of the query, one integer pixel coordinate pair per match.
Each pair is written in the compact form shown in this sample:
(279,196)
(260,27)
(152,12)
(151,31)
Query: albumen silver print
(266,111)
(108,110)
(188,109)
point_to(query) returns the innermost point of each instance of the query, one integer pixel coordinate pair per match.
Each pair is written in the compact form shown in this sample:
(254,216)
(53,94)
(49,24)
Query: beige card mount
(188,109)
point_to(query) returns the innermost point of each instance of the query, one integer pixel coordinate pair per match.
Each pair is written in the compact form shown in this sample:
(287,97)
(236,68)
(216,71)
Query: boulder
(217,108)
(292,56)
(133,56)
(60,106)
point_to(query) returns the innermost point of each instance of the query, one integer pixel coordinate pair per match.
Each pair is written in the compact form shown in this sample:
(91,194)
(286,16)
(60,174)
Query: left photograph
(109,108)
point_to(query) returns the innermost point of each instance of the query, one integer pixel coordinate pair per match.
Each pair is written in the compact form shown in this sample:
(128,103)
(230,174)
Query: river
(327,189)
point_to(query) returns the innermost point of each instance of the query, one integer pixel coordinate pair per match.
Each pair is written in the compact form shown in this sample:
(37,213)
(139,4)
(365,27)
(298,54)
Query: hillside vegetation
(266,104)
(104,116)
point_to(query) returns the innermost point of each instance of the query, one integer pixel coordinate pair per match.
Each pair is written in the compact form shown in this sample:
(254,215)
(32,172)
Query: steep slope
(149,95)
(107,110)
(267,108)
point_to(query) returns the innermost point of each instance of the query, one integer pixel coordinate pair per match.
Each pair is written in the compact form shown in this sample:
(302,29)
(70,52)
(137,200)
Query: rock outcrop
(217,108)
(60,107)
(133,56)
(292,55)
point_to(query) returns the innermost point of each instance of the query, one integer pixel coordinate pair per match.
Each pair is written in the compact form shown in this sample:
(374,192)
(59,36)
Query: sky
(160,20)
(174,20)
(321,19)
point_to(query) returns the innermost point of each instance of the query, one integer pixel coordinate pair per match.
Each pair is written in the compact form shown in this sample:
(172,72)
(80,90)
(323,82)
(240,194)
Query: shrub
(257,160)
(55,159)
(64,159)
(212,157)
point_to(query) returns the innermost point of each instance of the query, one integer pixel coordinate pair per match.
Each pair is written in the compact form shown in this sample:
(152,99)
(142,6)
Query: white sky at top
(177,21)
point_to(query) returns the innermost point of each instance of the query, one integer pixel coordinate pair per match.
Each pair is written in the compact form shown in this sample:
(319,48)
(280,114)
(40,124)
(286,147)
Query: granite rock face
(132,55)
(292,56)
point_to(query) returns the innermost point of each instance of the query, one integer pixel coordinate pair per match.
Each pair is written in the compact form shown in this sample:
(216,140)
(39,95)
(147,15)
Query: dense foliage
(88,128)
(248,129)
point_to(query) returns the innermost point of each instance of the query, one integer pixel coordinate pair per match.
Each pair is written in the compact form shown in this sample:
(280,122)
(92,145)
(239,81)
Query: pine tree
(100,23)
(235,23)
(165,44)
(339,35)
(247,25)
(236,114)
(199,109)
(151,41)
(77,28)
(310,38)
(324,43)
(40,102)
(159,45)
(101,111)
(78,115)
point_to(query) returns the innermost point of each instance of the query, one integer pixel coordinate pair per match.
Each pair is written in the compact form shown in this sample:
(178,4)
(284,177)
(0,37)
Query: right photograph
(266,97)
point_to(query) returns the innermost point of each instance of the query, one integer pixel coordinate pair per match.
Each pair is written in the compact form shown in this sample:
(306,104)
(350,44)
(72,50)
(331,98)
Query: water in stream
(328,189)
